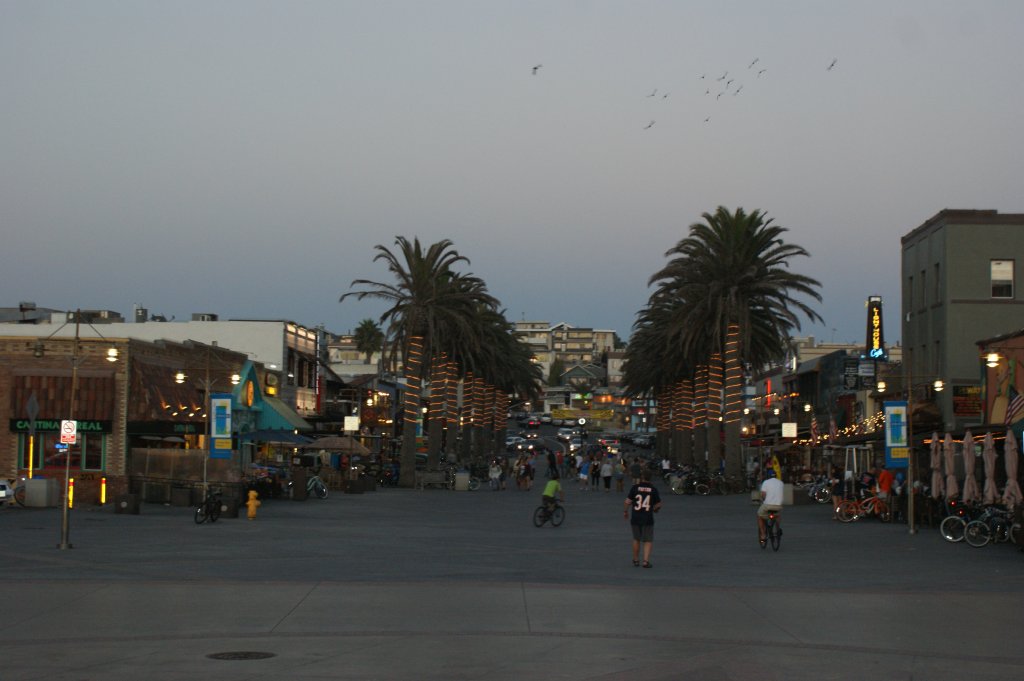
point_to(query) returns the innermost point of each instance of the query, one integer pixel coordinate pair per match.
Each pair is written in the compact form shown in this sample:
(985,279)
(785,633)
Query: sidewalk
(402,584)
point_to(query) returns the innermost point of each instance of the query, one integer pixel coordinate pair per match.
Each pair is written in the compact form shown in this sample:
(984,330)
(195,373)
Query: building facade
(959,285)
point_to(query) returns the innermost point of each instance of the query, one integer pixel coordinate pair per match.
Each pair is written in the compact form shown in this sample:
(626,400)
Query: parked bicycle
(992,526)
(555,513)
(958,514)
(209,509)
(855,509)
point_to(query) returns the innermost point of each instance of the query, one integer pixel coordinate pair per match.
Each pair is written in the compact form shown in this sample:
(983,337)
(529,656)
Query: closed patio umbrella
(938,489)
(971,492)
(988,455)
(1012,494)
(952,486)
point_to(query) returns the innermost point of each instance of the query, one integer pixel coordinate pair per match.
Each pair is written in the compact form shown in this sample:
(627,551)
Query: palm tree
(732,274)
(369,338)
(428,300)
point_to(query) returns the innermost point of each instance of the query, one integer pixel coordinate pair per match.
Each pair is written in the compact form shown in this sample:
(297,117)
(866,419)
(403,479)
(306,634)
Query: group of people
(878,480)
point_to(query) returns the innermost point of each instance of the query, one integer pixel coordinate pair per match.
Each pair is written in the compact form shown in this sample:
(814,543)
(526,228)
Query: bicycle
(556,514)
(314,486)
(953,525)
(993,525)
(209,508)
(852,509)
(772,531)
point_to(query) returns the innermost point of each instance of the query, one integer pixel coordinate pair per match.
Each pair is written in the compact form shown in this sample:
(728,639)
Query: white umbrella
(988,455)
(952,486)
(1012,494)
(971,492)
(938,490)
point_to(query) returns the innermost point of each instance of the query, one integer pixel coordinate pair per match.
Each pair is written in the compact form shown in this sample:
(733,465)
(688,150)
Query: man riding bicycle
(771,500)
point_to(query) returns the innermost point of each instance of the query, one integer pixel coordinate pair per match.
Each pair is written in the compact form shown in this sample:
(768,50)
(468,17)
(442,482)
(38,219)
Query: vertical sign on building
(875,339)
(220,426)
(897,443)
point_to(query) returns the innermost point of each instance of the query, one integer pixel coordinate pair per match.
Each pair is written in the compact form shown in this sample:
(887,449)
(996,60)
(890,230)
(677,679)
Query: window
(48,452)
(1002,278)
(938,288)
(924,288)
(910,293)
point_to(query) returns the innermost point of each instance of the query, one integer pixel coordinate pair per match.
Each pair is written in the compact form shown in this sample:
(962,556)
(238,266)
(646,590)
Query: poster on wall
(220,426)
(897,443)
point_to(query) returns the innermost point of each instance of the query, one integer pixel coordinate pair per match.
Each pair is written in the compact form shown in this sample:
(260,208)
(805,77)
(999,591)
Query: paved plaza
(404,584)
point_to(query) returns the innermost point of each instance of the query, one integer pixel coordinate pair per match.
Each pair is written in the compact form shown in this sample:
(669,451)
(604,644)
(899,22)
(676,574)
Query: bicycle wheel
(200,516)
(474,484)
(775,535)
(213,512)
(952,528)
(19,495)
(702,489)
(540,516)
(823,495)
(320,489)
(883,512)
(557,516)
(977,533)
(1017,534)
(678,485)
(849,511)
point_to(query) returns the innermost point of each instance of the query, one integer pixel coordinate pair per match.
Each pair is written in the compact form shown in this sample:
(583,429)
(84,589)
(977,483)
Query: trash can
(42,493)
(298,487)
(462,481)
(127,503)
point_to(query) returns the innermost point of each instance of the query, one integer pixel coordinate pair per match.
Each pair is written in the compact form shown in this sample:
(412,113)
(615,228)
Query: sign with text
(967,400)
(897,443)
(68,432)
(220,426)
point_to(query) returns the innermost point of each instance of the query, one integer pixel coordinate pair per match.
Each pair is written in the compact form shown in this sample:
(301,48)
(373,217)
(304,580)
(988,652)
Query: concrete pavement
(402,584)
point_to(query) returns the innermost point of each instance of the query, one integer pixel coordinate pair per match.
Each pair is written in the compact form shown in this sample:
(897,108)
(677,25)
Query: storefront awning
(279,416)
(283,437)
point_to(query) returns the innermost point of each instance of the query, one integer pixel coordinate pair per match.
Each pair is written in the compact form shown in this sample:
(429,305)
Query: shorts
(763,509)
(643,533)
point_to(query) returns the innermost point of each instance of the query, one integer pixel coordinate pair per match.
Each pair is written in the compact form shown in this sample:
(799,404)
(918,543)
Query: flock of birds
(707,91)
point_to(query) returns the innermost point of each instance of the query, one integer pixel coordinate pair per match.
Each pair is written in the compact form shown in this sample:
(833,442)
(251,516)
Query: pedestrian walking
(644,501)
(607,470)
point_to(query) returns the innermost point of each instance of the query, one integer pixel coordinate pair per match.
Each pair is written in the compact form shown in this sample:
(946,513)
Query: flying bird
(723,76)
(756,59)
(665,96)
(702,76)
(707,92)
(649,125)
(830,66)
(653,93)
(536,68)
(707,119)
(760,72)
(719,95)
(728,83)
(737,91)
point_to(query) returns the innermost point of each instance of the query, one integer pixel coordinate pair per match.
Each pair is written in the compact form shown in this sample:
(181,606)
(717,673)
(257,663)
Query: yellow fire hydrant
(253,503)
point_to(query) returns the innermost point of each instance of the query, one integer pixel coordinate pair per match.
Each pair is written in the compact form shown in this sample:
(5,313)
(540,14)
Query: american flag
(833,434)
(1015,408)
(814,430)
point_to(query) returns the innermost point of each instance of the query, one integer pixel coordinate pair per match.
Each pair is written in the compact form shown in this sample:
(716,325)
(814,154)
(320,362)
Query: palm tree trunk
(686,415)
(733,402)
(676,427)
(436,410)
(452,425)
(468,387)
(700,418)
(715,411)
(410,411)
(663,423)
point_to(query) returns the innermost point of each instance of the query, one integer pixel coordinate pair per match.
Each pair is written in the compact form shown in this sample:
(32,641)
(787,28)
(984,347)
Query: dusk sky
(244,158)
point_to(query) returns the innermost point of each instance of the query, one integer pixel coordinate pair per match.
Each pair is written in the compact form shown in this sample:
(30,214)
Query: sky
(246,158)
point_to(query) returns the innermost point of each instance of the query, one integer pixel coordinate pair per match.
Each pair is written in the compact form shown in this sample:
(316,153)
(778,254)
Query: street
(438,584)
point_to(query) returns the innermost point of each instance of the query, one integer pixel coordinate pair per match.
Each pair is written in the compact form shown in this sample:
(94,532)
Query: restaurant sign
(53,426)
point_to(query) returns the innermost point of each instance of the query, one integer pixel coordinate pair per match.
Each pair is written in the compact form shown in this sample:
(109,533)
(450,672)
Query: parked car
(644,441)
(545,418)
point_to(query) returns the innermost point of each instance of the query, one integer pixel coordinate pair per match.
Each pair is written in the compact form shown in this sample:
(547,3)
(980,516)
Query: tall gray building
(959,285)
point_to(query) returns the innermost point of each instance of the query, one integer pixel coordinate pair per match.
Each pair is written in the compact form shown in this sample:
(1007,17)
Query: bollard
(103,491)
(71,492)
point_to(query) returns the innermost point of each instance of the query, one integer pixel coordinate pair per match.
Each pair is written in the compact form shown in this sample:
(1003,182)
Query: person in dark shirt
(644,501)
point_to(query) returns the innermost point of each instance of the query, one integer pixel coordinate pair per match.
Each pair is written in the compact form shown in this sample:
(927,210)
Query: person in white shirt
(771,500)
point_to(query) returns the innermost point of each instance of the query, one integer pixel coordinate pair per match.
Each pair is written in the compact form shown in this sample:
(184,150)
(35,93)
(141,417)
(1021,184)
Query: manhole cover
(240,655)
